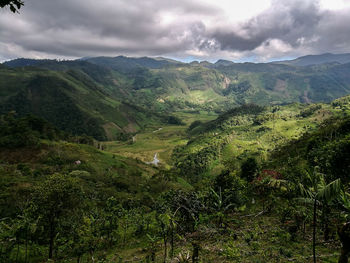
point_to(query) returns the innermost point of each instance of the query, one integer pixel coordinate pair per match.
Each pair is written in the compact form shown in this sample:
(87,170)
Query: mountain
(237,177)
(71,98)
(279,84)
(317,59)
(222,62)
(109,98)
(125,64)
(217,86)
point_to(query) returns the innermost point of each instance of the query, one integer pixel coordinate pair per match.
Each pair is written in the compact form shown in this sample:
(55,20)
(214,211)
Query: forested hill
(237,185)
(111,98)
(75,96)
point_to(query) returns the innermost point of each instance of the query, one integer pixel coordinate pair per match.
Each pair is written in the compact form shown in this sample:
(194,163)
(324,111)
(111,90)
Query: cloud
(288,28)
(199,28)
(286,21)
(82,27)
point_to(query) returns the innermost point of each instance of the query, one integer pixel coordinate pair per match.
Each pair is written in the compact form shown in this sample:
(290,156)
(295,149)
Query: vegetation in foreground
(285,200)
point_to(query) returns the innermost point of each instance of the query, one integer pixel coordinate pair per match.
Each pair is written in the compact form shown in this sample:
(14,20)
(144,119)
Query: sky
(237,30)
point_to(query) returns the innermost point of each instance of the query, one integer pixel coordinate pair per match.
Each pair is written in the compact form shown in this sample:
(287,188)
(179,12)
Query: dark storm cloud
(302,25)
(287,21)
(74,28)
(87,27)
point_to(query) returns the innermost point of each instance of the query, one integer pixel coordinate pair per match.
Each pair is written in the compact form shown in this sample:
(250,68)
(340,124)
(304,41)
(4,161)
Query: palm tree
(318,194)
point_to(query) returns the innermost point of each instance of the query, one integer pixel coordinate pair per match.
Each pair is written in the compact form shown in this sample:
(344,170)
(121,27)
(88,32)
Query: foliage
(174,120)
(26,131)
(249,169)
(318,194)
(14,5)
(54,200)
(229,192)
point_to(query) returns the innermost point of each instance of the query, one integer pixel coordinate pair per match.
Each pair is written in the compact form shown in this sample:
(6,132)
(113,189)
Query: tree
(188,208)
(14,5)
(12,232)
(164,222)
(112,212)
(319,193)
(54,200)
(249,169)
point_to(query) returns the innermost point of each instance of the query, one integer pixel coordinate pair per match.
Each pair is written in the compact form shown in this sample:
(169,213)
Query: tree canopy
(14,5)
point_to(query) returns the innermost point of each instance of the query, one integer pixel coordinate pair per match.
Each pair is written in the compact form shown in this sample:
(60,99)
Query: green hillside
(164,86)
(230,189)
(249,131)
(173,162)
(72,100)
(219,86)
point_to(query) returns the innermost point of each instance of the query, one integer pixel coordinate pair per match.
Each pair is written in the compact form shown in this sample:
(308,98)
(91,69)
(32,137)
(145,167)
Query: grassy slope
(233,138)
(102,174)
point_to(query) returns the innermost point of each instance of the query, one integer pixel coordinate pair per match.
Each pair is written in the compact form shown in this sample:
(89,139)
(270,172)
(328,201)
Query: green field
(157,139)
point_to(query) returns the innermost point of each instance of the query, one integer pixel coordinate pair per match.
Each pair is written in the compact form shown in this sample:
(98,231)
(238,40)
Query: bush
(174,120)
(194,125)
(249,169)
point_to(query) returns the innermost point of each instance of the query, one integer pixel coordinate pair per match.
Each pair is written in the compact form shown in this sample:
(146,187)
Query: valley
(161,140)
(154,160)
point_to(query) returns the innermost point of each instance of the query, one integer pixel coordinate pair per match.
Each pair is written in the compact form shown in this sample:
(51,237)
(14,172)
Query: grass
(242,136)
(147,143)
(157,139)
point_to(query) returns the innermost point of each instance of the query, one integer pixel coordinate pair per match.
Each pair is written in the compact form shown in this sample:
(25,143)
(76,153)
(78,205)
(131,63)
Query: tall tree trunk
(314,232)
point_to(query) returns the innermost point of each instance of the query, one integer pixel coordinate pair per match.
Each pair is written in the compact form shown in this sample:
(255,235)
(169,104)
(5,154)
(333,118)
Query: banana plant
(319,193)
(221,204)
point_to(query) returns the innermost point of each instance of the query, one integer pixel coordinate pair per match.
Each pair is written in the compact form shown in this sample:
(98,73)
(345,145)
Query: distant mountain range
(124,63)
(318,59)
(108,97)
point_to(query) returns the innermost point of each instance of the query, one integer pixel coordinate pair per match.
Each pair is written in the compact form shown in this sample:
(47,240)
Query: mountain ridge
(122,95)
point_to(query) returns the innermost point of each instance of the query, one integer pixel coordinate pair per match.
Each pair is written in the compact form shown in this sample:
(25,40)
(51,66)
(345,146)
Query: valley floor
(162,140)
